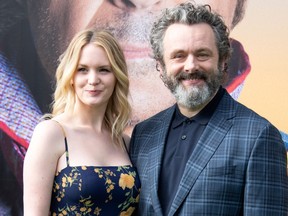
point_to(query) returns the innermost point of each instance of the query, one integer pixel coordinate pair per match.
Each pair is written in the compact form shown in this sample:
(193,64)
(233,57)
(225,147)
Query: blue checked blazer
(238,166)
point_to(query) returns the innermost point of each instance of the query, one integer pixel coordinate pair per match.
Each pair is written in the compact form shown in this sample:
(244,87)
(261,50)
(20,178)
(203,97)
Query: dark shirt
(182,138)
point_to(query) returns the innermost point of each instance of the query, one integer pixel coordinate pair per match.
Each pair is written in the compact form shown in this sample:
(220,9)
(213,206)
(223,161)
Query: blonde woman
(77,162)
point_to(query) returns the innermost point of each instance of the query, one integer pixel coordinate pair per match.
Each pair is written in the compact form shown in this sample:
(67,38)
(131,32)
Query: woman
(77,162)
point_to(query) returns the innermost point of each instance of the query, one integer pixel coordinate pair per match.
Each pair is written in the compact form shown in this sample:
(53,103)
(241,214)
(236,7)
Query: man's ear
(224,69)
(159,67)
(224,66)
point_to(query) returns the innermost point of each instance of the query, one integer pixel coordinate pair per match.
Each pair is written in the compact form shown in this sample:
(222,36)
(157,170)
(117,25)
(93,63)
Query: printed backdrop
(25,90)
(264,33)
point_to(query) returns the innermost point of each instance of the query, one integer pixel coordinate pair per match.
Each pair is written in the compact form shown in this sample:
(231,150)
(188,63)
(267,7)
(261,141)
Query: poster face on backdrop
(33,34)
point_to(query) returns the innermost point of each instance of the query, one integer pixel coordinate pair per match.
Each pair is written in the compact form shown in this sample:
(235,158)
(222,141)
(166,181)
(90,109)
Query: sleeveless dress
(95,190)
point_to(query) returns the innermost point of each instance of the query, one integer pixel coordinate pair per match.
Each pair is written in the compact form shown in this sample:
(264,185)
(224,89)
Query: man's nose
(143,4)
(134,6)
(190,64)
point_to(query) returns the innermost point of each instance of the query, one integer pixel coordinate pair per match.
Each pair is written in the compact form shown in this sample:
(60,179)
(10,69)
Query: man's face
(191,64)
(54,23)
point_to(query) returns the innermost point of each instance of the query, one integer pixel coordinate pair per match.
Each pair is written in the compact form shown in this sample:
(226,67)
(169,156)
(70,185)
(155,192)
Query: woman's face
(94,80)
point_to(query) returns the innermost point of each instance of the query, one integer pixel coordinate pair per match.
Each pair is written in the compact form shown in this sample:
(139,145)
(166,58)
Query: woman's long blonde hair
(118,109)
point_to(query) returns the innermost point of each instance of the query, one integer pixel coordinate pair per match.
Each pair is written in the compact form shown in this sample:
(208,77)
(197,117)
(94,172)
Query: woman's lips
(94,92)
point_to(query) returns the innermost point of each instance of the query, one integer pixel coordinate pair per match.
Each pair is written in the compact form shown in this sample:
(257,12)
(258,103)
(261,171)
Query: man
(207,154)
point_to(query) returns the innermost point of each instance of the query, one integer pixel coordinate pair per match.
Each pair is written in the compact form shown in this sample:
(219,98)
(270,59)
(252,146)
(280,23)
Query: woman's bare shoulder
(49,133)
(46,145)
(49,127)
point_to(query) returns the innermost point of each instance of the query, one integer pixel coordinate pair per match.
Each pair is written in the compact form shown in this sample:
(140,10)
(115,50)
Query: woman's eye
(105,70)
(81,69)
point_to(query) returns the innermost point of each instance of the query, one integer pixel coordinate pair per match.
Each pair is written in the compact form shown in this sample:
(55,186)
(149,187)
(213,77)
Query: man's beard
(194,97)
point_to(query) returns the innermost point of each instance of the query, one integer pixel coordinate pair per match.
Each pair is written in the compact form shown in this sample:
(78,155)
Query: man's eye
(178,56)
(203,56)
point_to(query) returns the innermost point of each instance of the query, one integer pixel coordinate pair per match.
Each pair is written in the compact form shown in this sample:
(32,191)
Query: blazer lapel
(155,157)
(208,143)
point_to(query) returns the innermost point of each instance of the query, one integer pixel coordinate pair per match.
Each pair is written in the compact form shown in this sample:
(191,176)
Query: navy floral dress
(89,190)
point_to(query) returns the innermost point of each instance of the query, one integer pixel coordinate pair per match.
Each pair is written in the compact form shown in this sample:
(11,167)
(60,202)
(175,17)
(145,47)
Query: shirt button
(183,137)
(188,121)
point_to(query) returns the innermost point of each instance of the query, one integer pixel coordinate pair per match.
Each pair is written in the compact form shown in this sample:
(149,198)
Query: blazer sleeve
(266,190)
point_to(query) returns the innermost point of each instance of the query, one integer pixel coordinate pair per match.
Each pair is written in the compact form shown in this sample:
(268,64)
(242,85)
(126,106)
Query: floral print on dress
(67,181)
(112,190)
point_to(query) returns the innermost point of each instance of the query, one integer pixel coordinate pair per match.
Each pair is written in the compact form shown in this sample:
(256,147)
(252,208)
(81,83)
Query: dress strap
(65,141)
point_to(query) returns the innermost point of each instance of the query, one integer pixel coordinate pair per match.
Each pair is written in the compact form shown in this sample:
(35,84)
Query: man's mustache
(195,75)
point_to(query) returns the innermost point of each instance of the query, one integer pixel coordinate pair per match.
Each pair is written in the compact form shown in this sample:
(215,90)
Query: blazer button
(183,137)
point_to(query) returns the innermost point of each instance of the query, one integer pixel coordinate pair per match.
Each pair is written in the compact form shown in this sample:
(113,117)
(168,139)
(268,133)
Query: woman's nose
(93,78)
